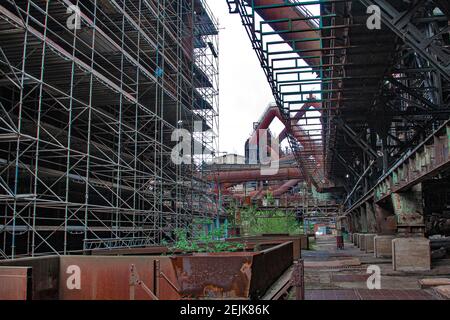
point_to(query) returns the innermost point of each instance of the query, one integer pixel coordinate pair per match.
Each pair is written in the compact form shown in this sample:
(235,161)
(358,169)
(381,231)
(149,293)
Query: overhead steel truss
(289,101)
(381,90)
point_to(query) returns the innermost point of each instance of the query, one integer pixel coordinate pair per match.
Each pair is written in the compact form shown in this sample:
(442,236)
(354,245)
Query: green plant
(231,213)
(182,242)
(270,199)
(204,241)
(256,222)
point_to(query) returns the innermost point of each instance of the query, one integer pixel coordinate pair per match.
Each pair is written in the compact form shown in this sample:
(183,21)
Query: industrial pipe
(287,18)
(246,174)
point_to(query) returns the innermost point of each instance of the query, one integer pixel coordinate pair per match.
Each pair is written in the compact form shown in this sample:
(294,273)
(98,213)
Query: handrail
(305,12)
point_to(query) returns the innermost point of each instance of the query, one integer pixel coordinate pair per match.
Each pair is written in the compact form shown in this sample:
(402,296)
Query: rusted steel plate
(269,265)
(45,275)
(299,241)
(109,278)
(15,283)
(281,287)
(231,275)
(212,275)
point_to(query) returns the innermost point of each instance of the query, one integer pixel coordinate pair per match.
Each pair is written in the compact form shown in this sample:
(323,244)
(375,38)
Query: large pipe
(245,175)
(305,108)
(285,187)
(276,191)
(279,190)
(275,13)
(310,148)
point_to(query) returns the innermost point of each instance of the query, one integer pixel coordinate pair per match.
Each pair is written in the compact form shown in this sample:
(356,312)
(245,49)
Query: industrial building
(94,96)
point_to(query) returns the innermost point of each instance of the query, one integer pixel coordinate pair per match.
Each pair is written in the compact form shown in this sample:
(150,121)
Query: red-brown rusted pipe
(279,190)
(291,12)
(309,146)
(245,175)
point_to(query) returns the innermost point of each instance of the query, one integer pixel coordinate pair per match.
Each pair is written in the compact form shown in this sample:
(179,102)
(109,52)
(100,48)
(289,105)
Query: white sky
(244,90)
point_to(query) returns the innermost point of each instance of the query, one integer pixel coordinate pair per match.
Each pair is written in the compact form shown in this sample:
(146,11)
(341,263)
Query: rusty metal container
(231,275)
(44,275)
(109,278)
(238,275)
(299,241)
(15,283)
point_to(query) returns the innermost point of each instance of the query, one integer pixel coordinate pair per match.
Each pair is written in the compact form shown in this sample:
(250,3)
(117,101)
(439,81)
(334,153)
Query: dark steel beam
(400,23)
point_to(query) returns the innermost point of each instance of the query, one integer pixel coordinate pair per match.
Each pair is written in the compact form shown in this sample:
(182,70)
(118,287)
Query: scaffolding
(90,94)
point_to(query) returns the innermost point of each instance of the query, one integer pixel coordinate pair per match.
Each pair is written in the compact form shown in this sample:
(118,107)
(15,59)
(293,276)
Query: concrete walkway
(332,274)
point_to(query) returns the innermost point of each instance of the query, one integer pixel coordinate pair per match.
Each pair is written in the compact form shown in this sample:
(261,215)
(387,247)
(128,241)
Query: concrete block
(368,242)
(362,241)
(383,246)
(355,239)
(411,254)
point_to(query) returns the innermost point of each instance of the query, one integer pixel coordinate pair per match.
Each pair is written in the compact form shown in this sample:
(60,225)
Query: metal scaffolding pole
(86,121)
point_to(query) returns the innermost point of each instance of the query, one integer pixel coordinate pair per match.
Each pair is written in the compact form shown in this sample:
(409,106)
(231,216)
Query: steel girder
(400,23)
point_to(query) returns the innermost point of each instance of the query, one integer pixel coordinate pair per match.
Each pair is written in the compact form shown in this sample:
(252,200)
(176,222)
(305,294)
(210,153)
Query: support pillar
(386,222)
(355,239)
(411,254)
(362,241)
(411,250)
(408,208)
(368,242)
(353,222)
(370,217)
(363,219)
(383,246)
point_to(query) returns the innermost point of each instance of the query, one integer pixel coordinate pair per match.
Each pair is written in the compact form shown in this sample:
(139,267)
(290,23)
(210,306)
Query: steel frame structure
(413,96)
(284,72)
(86,121)
(381,91)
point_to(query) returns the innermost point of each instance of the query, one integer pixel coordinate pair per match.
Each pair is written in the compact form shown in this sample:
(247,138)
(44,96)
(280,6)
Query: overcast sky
(244,90)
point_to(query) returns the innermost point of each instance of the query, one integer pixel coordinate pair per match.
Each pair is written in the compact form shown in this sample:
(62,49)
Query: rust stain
(246,270)
(211,290)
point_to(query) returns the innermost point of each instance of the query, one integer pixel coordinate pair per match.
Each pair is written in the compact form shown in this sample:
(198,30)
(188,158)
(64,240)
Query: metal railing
(110,243)
(305,12)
